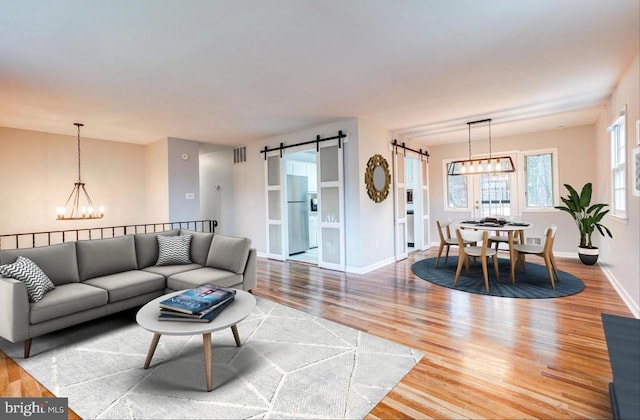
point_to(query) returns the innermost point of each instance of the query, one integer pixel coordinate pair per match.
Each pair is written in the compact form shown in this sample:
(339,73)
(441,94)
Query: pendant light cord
(79,125)
(489,140)
(469,125)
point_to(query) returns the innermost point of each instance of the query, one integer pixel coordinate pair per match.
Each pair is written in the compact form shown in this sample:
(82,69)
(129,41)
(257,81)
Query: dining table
(512,228)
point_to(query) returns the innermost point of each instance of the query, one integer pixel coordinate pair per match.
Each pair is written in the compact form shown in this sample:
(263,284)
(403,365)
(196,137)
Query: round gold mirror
(377,178)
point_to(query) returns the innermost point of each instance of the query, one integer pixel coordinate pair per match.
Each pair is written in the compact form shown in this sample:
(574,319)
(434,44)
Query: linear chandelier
(490,165)
(75,208)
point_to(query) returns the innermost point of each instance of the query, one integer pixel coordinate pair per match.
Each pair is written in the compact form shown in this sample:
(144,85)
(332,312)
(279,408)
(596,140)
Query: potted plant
(587,217)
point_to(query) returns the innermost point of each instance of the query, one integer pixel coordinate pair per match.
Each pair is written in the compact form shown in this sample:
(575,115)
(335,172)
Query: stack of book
(201,304)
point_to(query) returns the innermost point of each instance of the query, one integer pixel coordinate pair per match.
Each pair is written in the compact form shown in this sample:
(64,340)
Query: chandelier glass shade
(79,205)
(485,165)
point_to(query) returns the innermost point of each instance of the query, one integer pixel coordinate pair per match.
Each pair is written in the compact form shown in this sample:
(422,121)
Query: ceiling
(228,72)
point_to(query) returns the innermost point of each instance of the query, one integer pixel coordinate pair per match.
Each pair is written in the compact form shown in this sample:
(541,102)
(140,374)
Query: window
(540,182)
(534,187)
(456,187)
(619,166)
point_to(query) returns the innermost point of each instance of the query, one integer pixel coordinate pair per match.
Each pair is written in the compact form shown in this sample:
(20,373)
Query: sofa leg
(27,348)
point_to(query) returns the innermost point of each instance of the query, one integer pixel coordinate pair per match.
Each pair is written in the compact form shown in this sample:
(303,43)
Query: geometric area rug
(290,365)
(532,283)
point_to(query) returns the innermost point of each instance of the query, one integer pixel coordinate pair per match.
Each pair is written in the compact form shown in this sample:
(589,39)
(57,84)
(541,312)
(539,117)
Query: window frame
(618,127)
(445,186)
(555,179)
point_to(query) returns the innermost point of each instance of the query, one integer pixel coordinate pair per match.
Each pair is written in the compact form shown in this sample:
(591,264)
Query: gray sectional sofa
(95,278)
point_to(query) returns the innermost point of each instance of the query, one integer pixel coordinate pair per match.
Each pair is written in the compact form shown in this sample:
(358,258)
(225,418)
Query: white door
(424,187)
(495,195)
(275,206)
(400,206)
(331,226)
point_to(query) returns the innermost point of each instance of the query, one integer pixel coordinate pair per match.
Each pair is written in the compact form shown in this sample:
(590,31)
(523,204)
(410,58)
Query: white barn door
(400,205)
(276,206)
(331,226)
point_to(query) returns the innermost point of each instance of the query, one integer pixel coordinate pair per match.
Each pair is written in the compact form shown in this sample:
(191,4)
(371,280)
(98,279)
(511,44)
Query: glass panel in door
(276,230)
(400,209)
(494,195)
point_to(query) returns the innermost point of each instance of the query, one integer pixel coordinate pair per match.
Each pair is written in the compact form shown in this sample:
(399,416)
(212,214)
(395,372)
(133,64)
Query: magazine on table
(197,314)
(169,315)
(197,300)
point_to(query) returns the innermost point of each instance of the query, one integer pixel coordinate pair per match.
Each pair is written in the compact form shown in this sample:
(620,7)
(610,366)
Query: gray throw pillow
(173,250)
(229,253)
(25,270)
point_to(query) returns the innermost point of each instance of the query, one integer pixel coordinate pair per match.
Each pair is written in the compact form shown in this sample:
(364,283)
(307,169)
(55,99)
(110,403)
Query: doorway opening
(301,186)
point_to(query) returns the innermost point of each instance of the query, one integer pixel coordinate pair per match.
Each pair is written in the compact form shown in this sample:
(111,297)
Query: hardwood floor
(485,357)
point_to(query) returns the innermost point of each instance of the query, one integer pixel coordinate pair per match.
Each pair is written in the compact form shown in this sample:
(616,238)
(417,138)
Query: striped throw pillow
(174,250)
(25,270)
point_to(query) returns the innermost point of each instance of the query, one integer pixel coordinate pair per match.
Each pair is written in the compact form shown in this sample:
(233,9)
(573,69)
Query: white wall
(373,241)
(620,256)
(217,190)
(184,178)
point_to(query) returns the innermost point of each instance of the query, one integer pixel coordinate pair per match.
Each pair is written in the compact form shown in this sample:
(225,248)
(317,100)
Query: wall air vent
(240,154)
(533,240)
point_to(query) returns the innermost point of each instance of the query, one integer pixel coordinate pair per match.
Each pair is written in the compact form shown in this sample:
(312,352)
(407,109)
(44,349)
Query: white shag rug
(290,365)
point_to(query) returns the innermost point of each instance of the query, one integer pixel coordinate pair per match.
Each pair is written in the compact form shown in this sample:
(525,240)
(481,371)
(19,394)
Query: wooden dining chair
(545,251)
(482,252)
(498,238)
(445,239)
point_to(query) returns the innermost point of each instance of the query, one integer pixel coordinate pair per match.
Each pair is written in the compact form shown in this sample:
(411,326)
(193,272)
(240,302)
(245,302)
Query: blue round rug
(532,284)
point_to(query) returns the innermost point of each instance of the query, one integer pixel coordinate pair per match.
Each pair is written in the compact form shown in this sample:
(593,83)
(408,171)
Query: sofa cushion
(229,253)
(169,270)
(58,262)
(67,299)
(128,284)
(200,244)
(174,250)
(101,257)
(205,275)
(147,247)
(34,279)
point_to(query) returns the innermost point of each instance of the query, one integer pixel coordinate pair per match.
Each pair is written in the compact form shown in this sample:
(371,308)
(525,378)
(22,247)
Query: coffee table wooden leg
(152,349)
(236,336)
(206,342)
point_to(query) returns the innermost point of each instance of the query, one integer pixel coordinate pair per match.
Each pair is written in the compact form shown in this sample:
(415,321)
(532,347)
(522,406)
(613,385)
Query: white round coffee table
(239,309)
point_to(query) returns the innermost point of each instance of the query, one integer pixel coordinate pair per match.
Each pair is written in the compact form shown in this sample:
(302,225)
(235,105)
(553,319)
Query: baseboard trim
(633,306)
(366,269)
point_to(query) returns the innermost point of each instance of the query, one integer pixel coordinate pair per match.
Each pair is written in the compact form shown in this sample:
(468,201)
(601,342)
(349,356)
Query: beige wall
(620,256)
(576,164)
(372,234)
(38,171)
(157,181)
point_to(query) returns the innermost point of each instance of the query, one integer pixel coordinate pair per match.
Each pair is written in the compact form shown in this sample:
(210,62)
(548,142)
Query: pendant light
(79,205)
(490,165)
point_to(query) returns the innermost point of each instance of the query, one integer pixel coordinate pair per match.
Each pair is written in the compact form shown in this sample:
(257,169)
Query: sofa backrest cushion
(58,262)
(229,253)
(147,247)
(200,244)
(102,257)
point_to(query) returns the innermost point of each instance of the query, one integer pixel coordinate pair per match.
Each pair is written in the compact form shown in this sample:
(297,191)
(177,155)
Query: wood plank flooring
(485,357)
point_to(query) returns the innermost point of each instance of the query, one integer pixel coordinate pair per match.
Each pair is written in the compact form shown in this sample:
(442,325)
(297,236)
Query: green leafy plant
(586,215)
